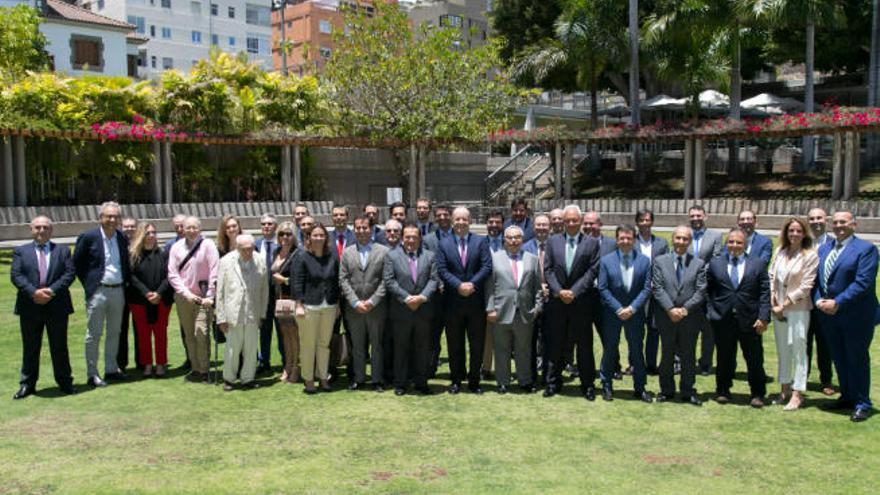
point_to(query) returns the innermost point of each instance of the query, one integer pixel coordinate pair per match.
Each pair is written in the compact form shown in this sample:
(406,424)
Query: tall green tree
(22,45)
(520,23)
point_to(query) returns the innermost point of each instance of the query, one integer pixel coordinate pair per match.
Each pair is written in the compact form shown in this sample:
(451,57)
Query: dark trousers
(412,350)
(32,342)
(264,357)
(679,339)
(728,332)
(564,320)
(823,355)
(122,353)
(849,345)
(335,354)
(634,331)
(437,324)
(538,346)
(707,344)
(466,321)
(652,342)
(388,348)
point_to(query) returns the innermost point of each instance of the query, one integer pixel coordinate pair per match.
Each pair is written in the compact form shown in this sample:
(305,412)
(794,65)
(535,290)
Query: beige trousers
(315,330)
(194,324)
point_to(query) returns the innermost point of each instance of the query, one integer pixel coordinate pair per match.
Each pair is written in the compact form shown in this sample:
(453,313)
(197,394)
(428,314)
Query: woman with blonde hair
(284,313)
(150,298)
(315,288)
(228,229)
(792,276)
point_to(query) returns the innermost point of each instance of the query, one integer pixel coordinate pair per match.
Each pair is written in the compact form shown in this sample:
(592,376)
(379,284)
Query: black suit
(732,313)
(570,319)
(53,316)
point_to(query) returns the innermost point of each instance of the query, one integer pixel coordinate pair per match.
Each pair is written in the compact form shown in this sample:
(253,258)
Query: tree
(22,45)
(521,23)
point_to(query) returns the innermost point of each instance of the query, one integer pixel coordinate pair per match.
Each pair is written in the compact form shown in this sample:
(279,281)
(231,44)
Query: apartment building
(470,16)
(181,32)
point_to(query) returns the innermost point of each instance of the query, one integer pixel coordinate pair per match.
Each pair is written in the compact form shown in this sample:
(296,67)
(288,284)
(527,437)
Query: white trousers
(791,348)
(241,340)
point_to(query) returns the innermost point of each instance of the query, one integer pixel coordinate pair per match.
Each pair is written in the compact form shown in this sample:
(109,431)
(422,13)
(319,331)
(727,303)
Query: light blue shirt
(364,253)
(112,260)
(740,267)
(698,239)
(626,272)
(495,243)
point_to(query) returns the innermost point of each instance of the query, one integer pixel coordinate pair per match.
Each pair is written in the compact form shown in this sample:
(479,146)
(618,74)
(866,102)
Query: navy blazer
(762,248)
(25,275)
(348,235)
(378,235)
(659,246)
(584,268)
(750,299)
(851,282)
(528,228)
(614,294)
(88,259)
(431,241)
(477,268)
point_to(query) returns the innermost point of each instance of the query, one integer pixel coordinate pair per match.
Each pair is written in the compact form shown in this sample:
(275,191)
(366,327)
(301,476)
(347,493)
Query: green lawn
(173,437)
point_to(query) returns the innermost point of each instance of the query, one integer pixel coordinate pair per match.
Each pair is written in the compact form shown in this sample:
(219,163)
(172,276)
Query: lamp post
(282,5)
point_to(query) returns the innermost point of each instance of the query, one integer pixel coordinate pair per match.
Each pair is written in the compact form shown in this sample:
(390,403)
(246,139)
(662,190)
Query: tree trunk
(735,98)
(635,110)
(808,158)
(873,144)
(595,163)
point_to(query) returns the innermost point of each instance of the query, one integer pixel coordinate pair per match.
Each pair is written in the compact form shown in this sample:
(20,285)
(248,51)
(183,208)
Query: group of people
(529,292)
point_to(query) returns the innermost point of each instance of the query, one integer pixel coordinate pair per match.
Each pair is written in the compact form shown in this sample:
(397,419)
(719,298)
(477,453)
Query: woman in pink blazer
(792,275)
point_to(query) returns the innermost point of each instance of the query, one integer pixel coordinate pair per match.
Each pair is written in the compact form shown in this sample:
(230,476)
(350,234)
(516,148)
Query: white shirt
(646,247)
(112,260)
(740,268)
(627,271)
(48,253)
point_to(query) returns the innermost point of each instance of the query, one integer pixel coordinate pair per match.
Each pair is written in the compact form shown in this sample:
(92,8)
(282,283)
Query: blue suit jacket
(88,259)
(851,282)
(25,275)
(431,241)
(527,227)
(762,248)
(614,294)
(477,268)
(379,235)
(751,298)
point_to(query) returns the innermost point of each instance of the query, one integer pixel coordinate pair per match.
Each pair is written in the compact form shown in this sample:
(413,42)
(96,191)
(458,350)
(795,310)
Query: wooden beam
(689,169)
(156,174)
(699,169)
(167,174)
(837,171)
(8,173)
(557,171)
(423,166)
(413,173)
(569,151)
(297,174)
(20,172)
(286,191)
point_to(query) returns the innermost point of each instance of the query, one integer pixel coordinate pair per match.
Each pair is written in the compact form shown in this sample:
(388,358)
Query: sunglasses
(285,234)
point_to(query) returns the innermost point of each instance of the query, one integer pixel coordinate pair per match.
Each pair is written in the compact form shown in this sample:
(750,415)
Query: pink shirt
(202,266)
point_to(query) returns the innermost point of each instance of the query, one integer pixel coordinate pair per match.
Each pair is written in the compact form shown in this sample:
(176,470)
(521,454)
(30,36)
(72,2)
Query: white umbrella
(662,102)
(772,104)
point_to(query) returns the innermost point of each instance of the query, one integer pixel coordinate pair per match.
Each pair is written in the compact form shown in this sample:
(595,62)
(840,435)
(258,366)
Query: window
(166,4)
(324,52)
(215,40)
(215,9)
(231,12)
(167,63)
(86,53)
(258,44)
(232,41)
(152,31)
(139,22)
(197,37)
(153,61)
(166,33)
(451,20)
(257,15)
(195,8)
(324,26)
(100,4)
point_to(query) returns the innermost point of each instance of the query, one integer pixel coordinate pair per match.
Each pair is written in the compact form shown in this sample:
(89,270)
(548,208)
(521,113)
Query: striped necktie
(829,263)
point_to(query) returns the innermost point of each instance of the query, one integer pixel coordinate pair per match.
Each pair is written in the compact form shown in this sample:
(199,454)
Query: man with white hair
(101,261)
(192,272)
(177,222)
(266,247)
(242,295)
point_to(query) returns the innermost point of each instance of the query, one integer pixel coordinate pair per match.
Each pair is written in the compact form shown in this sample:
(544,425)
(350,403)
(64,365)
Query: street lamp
(281,5)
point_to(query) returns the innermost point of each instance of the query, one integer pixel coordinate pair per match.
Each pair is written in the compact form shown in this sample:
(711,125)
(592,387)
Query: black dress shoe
(399,391)
(424,390)
(692,400)
(550,391)
(859,415)
(502,389)
(618,375)
(378,387)
(590,393)
(607,394)
(476,390)
(528,389)
(186,366)
(837,405)
(250,385)
(705,370)
(194,377)
(661,398)
(355,385)
(453,389)
(652,370)
(628,371)
(68,390)
(96,382)
(115,377)
(645,396)
(23,392)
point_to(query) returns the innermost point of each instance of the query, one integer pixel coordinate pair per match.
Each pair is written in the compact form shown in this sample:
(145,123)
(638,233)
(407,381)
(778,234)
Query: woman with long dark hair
(150,299)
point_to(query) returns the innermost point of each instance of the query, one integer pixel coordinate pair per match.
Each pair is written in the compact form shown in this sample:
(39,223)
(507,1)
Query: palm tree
(634,104)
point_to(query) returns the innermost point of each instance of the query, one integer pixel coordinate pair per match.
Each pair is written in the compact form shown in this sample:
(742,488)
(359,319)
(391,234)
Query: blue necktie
(734,272)
(679,269)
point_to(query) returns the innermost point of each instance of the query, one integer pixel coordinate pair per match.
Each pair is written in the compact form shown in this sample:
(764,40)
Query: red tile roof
(63,10)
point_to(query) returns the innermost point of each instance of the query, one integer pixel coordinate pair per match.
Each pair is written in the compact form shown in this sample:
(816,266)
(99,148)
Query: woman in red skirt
(151,298)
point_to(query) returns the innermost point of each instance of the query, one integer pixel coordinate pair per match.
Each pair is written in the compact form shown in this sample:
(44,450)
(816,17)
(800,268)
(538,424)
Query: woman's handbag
(285,309)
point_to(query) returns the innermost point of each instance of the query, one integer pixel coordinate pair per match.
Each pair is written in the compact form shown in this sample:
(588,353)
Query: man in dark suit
(519,217)
(411,279)
(371,211)
(129,228)
(757,244)
(705,244)
(101,262)
(845,296)
(818,219)
(266,247)
(679,290)
(464,262)
(538,247)
(423,217)
(739,310)
(397,210)
(42,271)
(570,268)
(651,246)
(300,211)
(431,242)
(341,236)
(592,226)
(625,287)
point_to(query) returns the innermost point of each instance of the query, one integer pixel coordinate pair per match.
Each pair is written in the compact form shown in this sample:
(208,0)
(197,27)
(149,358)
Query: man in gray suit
(705,244)
(679,291)
(360,279)
(411,281)
(513,298)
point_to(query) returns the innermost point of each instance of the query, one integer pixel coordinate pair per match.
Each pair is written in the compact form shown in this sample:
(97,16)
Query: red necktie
(340,244)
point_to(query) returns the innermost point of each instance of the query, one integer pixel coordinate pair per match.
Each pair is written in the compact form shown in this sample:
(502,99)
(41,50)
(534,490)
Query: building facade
(179,33)
(470,16)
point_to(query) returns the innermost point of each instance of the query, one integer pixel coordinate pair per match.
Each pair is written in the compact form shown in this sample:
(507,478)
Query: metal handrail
(540,174)
(513,159)
(516,177)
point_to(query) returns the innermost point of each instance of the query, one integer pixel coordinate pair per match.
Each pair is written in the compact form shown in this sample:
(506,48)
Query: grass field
(168,436)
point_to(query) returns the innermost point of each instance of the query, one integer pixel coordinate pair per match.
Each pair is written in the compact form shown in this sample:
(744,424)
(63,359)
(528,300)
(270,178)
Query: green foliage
(22,45)
(387,81)
(521,23)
